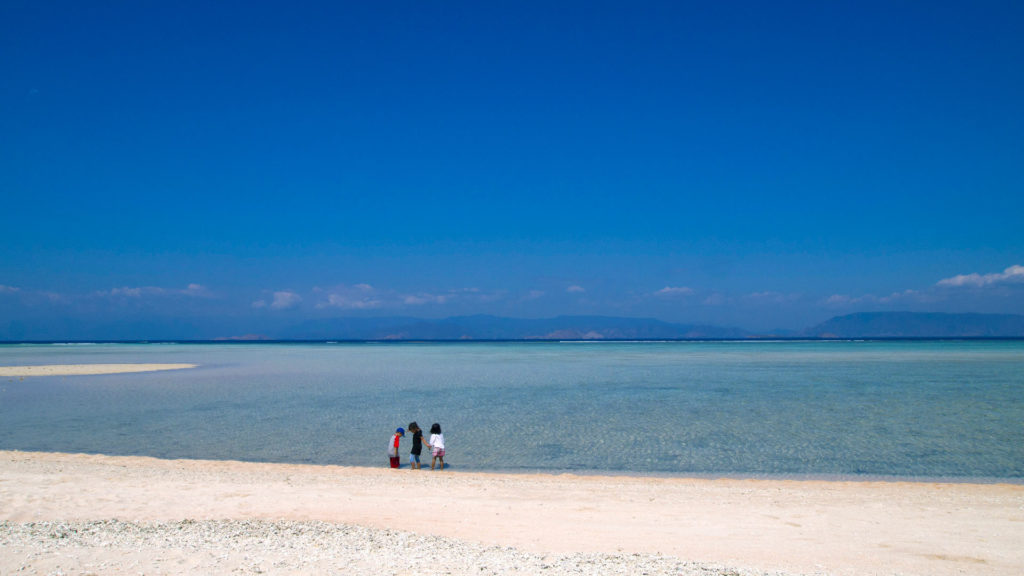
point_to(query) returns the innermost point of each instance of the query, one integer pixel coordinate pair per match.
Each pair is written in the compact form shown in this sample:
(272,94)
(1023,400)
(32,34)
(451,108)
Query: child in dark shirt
(417,446)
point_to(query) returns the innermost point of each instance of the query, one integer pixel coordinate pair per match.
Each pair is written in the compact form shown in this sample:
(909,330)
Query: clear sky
(228,167)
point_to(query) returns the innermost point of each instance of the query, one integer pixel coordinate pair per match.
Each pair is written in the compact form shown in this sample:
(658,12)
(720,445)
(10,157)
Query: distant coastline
(758,339)
(484,328)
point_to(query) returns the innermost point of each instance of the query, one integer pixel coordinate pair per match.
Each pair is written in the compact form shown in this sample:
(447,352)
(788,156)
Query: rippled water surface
(907,409)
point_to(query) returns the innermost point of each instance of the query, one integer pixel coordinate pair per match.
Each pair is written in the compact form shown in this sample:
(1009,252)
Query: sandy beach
(86,369)
(77,513)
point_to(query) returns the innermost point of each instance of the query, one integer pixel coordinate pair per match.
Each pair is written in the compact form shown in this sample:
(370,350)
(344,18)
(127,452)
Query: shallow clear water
(906,409)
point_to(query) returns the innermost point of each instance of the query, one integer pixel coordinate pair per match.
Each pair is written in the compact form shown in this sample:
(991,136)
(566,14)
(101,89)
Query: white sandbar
(86,369)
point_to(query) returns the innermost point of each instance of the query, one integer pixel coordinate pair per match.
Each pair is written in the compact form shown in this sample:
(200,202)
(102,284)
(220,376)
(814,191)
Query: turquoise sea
(834,409)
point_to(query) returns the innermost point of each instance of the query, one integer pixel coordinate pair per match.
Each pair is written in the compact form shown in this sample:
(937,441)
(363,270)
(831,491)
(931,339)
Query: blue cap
(401,431)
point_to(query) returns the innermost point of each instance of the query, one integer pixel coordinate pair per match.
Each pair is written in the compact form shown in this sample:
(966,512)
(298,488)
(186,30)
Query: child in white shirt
(436,445)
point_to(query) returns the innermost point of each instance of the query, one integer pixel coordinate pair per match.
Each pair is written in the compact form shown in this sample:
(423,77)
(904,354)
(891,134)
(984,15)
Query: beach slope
(106,514)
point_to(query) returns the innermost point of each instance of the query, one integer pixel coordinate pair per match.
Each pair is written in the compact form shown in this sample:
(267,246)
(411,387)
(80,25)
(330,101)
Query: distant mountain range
(482,327)
(920,325)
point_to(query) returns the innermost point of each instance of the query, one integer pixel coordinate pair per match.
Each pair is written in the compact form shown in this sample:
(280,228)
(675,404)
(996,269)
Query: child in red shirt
(393,448)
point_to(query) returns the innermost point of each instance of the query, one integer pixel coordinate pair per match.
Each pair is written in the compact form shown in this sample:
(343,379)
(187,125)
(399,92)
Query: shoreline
(739,476)
(599,474)
(85,369)
(793,526)
(610,475)
(331,341)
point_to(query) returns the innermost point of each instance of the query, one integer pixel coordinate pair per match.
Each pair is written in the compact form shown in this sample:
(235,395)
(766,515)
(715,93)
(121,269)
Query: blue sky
(207,169)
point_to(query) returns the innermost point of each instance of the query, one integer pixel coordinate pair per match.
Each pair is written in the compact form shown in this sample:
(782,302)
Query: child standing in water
(436,445)
(417,446)
(393,447)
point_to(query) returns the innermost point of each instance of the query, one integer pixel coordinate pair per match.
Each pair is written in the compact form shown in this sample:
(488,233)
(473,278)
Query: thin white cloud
(356,297)
(673,291)
(348,302)
(132,292)
(8,289)
(420,299)
(195,290)
(192,290)
(901,296)
(840,300)
(284,300)
(487,297)
(1013,274)
(715,300)
(533,295)
(575,289)
(365,296)
(908,296)
(449,296)
(771,297)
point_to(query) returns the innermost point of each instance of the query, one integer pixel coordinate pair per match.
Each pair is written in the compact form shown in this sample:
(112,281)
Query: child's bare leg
(441,459)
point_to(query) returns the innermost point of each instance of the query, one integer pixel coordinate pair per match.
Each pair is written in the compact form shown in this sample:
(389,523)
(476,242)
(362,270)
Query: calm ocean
(908,409)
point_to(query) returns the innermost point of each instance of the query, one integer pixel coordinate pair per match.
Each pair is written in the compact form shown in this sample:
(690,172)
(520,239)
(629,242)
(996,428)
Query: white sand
(760,525)
(86,369)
